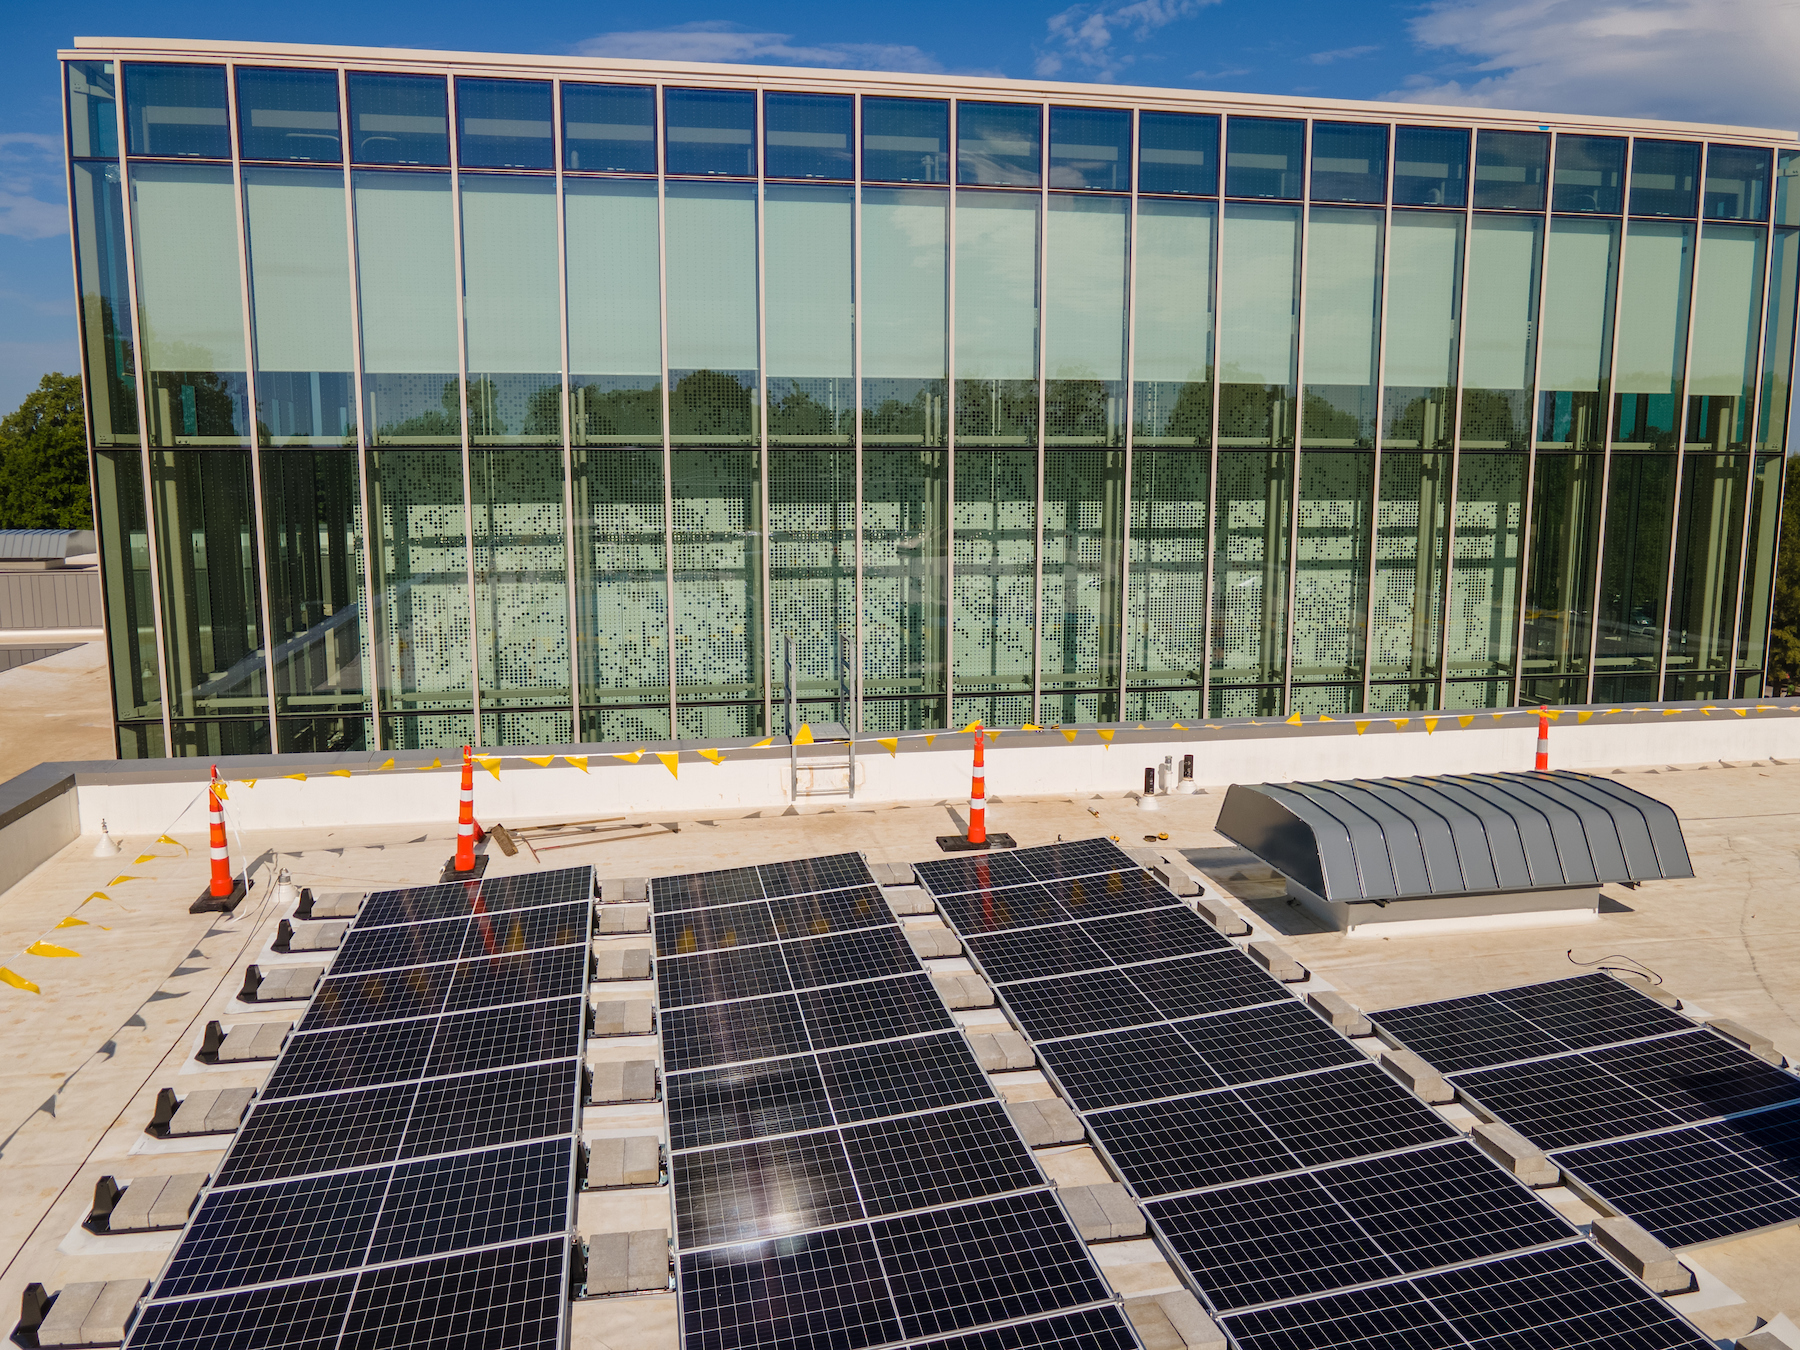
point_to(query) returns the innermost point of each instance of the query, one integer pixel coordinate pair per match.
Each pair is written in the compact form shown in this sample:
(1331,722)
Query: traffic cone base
(464,864)
(224,891)
(977,839)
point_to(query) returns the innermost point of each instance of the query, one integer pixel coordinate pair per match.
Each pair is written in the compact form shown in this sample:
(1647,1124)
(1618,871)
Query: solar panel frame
(849,957)
(938,1158)
(699,890)
(736,1102)
(865,1081)
(808,876)
(722,975)
(1032,953)
(810,1173)
(997,909)
(351,1057)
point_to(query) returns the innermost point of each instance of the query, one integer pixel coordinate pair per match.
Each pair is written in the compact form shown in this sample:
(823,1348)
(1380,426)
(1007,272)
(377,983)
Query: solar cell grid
(952,876)
(807,875)
(523,890)
(1697,1074)
(1560,1103)
(519,930)
(505,1299)
(502,1107)
(714,977)
(1117,1067)
(703,930)
(1074,858)
(1386,1317)
(840,958)
(1091,1329)
(819,1291)
(797,916)
(998,909)
(722,1195)
(1109,893)
(519,977)
(327,1061)
(303,1316)
(1189,986)
(1172,930)
(420,944)
(939,1158)
(716,1106)
(727,1033)
(877,1010)
(416,904)
(1467,1033)
(1273,1041)
(1589,1010)
(1152,1147)
(1030,953)
(915,1074)
(318,1134)
(1070,1005)
(1343,1113)
(379,996)
(698,890)
(494,1037)
(475,1200)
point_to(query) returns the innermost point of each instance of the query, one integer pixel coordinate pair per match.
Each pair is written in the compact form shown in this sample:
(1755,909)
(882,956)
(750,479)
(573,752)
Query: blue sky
(1706,60)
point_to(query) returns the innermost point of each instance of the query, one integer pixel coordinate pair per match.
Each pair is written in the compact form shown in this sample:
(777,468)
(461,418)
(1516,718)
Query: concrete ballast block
(1755,1042)
(1173,1321)
(933,943)
(1175,879)
(1001,1051)
(1426,1082)
(335,905)
(632,1161)
(906,901)
(612,961)
(91,1313)
(1103,1213)
(622,919)
(963,989)
(176,1200)
(62,1325)
(1766,1339)
(1516,1154)
(624,1017)
(1045,1122)
(892,873)
(250,1041)
(632,1080)
(131,1214)
(1340,1012)
(1221,917)
(1277,962)
(628,1263)
(281,983)
(211,1111)
(625,890)
(1642,1255)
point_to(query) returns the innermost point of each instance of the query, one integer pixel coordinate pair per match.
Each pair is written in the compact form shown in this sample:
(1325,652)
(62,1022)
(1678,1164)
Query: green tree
(1784,634)
(43,459)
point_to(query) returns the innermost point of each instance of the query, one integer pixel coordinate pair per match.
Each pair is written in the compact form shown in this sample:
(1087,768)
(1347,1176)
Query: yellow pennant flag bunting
(116,880)
(713,755)
(18,981)
(164,839)
(1324,718)
(223,794)
(72,922)
(579,761)
(669,762)
(1179,727)
(1671,712)
(1105,736)
(1741,712)
(765,741)
(340,773)
(1361,727)
(629,756)
(1400,722)
(1068,735)
(804,736)
(1581,719)
(491,763)
(101,895)
(929,739)
(1029,727)
(1294,721)
(970,727)
(297,777)
(143,858)
(1466,720)
(388,765)
(41,948)
(435,764)
(543,762)
(891,744)
(1430,724)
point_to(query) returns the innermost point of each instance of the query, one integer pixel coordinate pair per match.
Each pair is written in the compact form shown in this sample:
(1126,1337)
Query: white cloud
(1080,39)
(728,44)
(1340,54)
(1687,60)
(31,195)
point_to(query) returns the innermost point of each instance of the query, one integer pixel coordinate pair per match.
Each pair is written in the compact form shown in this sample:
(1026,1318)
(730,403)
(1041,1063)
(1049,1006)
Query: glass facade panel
(712,132)
(521,580)
(93,111)
(905,280)
(1510,169)
(1580,281)
(996,318)
(1653,307)
(1778,344)
(313,531)
(289,114)
(718,598)
(1178,153)
(1090,148)
(1665,176)
(1172,354)
(125,578)
(1499,327)
(1084,335)
(406,270)
(422,637)
(808,136)
(609,128)
(300,306)
(1559,588)
(1084,517)
(1424,307)
(999,144)
(190,306)
(1258,325)
(1787,199)
(399,119)
(1264,157)
(1634,563)
(1343,327)
(1349,162)
(994,613)
(1411,537)
(1759,575)
(505,124)
(1726,323)
(1431,166)
(905,511)
(1737,183)
(812,580)
(1250,582)
(1590,175)
(808,315)
(711,243)
(905,140)
(1165,630)
(1709,537)
(1484,567)
(212,619)
(512,310)
(615,312)
(108,354)
(177,112)
(1331,570)
(622,591)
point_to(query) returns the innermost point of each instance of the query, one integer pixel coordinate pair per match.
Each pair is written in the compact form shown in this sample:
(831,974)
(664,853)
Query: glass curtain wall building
(438,397)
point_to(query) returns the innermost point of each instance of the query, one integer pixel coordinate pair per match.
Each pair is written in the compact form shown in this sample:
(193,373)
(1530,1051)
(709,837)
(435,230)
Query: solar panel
(520,977)
(381,996)
(419,944)
(745,1101)
(1590,1010)
(874,1011)
(1117,1067)
(697,890)
(1172,930)
(729,1033)
(318,1134)
(995,910)
(972,872)
(701,930)
(304,1316)
(328,1061)
(1386,1317)
(524,890)
(504,1297)
(941,1158)
(1272,1041)
(519,930)
(1344,1113)
(520,1034)
(1109,893)
(276,1232)
(1072,1004)
(416,904)
(808,875)
(503,1107)
(1029,953)
(1697,1074)
(475,1200)
(810,1292)
(798,916)
(1074,858)
(714,977)
(883,1080)
(840,958)
(1211,982)
(808,1172)
(1090,1329)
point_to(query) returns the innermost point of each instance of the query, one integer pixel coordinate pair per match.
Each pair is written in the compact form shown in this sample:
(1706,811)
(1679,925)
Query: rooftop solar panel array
(1661,1120)
(407,1175)
(1310,1199)
(843,1173)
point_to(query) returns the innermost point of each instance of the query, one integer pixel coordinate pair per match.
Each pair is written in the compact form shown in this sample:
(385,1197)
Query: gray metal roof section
(1455,834)
(44,545)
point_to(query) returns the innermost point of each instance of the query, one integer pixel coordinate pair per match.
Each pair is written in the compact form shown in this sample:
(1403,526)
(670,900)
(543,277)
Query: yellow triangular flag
(1029,727)
(491,763)
(542,762)
(970,727)
(629,756)
(804,736)
(929,739)
(41,948)
(116,880)
(298,777)
(1105,736)
(766,740)
(1668,712)
(713,755)
(143,858)
(1361,727)
(164,839)
(1069,735)
(1400,722)
(101,895)
(388,765)
(1552,714)
(1741,712)
(435,764)
(1430,724)
(670,761)
(579,761)
(1294,721)
(1466,720)
(72,922)
(1581,719)
(225,796)
(18,981)
(1324,718)
(1179,727)
(993,733)
(340,773)
(1498,716)
(891,744)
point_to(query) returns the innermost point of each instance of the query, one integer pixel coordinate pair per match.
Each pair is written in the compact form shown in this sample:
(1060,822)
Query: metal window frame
(1751,414)
(1298,366)
(1681,411)
(1122,620)
(951,429)
(570,533)
(668,460)
(1381,320)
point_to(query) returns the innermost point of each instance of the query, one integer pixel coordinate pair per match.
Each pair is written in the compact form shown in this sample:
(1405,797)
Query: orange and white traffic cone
(465,866)
(224,891)
(978,791)
(1543,750)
